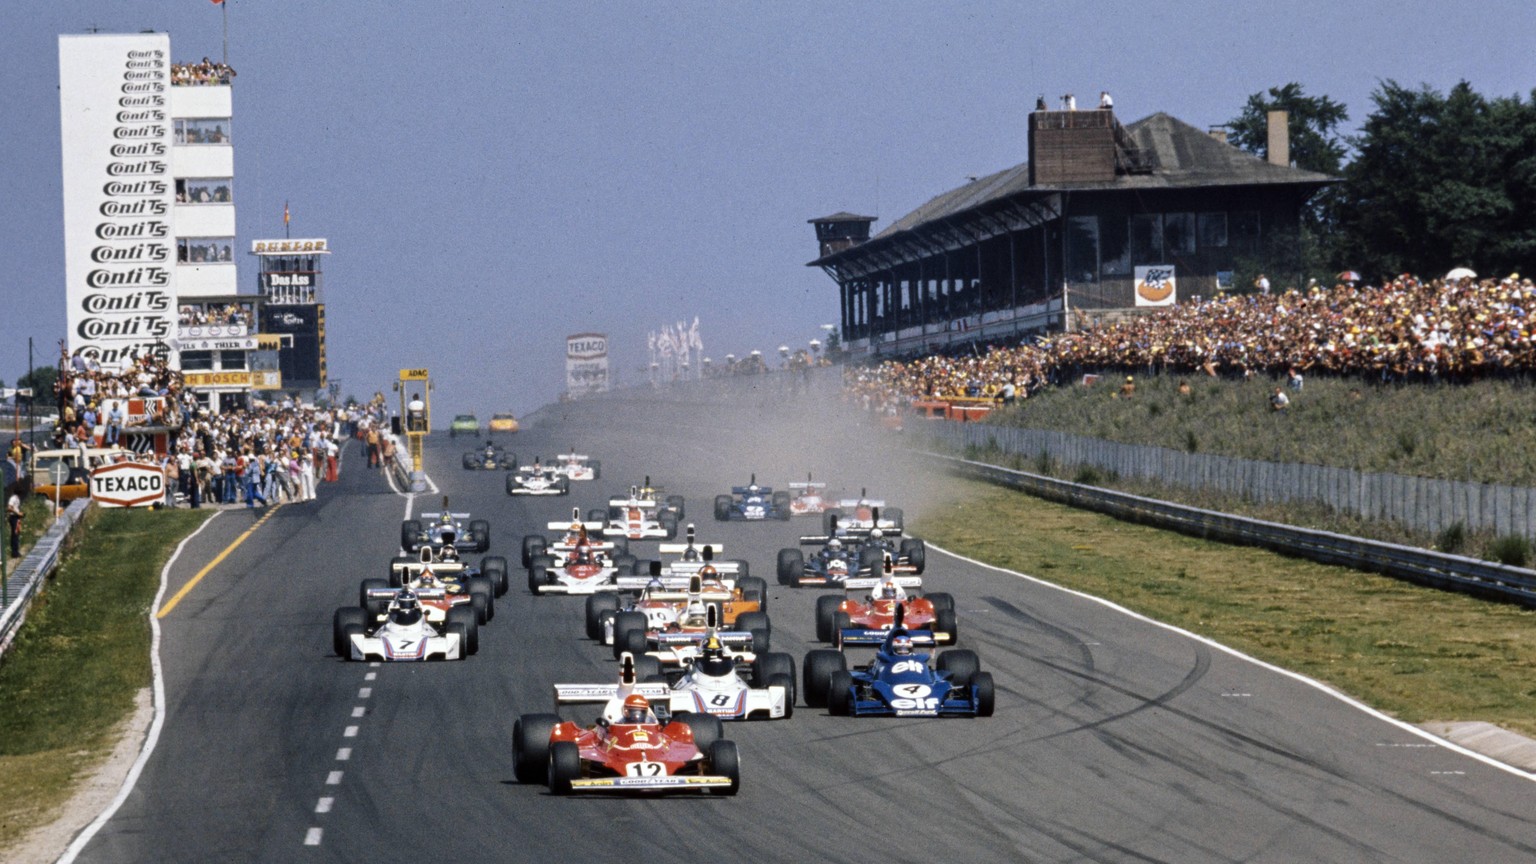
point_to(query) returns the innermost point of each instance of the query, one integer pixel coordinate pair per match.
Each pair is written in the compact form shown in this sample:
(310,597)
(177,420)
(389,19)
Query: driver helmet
(446,519)
(637,709)
(708,573)
(876,533)
(407,609)
(901,645)
(713,660)
(888,591)
(752,488)
(834,545)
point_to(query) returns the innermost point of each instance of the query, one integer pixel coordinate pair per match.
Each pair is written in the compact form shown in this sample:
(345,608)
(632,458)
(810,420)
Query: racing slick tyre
(648,670)
(597,468)
(840,694)
(743,569)
(469,461)
(543,560)
(479,586)
(722,508)
(961,664)
(494,568)
(916,553)
(597,604)
(788,683)
(668,523)
(827,608)
(706,729)
(774,665)
(753,621)
(986,693)
(538,574)
(458,629)
(625,623)
(829,519)
(678,505)
(530,746)
(410,530)
(464,616)
(641,567)
(597,514)
(816,674)
(375,607)
(781,509)
(754,589)
(624,564)
(564,485)
(347,620)
(840,621)
(941,600)
(564,766)
(892,515)
(511,484)
(791,566)
(481,531)
(945,622)
(620,545)
(533,544)
(723,761)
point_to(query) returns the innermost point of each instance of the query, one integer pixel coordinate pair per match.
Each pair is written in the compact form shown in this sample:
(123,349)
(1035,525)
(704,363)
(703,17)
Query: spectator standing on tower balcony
(1105,103)
(1040,103)
(1069,102)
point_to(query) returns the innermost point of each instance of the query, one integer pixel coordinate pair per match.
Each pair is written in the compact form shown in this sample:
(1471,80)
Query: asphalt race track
(1114,739)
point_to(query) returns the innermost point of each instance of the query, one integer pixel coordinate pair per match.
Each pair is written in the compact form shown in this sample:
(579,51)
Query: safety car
(752,503)
(900,681)
(464,424)
(403,632)
(635,745)
(503,422)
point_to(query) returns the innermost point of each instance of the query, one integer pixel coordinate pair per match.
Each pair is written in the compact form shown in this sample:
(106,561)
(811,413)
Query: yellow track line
(185,589)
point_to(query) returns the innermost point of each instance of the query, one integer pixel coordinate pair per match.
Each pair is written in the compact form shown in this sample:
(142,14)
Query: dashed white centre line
(370,676)
(312,837)
(364,692)
(333,778)
(349,732)
(343,754)
(324,805)
(359,711)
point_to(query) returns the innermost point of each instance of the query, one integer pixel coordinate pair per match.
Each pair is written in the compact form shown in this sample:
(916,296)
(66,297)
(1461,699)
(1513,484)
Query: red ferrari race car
(866,620)
(634,745)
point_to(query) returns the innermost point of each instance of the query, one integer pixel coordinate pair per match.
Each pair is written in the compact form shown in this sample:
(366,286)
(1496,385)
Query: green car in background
(464,424)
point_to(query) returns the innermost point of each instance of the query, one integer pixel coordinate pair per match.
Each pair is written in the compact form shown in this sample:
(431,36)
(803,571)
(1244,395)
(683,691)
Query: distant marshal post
(415,388)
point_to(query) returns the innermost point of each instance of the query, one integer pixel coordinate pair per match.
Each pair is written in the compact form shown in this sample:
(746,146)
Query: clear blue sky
(493,176)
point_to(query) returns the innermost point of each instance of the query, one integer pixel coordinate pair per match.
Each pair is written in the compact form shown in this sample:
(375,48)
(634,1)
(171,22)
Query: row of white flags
(678,340)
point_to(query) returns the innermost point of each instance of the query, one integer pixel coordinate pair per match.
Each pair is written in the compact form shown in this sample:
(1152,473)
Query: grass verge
(71,676)
(1418,654)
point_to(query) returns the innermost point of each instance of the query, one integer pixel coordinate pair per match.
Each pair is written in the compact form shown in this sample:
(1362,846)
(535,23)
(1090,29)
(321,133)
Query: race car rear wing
(865,583)
(626,503)
(573,457)
(671,583)
(805,487)
(426,517)
(575,694)
(734,639)
(855,637)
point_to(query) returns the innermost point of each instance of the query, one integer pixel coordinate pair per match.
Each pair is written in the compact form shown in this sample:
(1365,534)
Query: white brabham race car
(538,479)
(578,466)
(404,634)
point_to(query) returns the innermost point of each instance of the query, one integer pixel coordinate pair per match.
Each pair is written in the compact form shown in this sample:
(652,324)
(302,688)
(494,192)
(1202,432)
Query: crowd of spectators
(217,315)
(93,403)
(206,72)
(1404,330)
(204,253)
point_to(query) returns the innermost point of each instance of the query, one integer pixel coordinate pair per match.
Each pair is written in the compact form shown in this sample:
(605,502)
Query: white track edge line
(148,748)
(1226,649)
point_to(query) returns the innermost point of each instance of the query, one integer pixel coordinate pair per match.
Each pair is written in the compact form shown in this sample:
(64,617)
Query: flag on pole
(285,208)
(218,2)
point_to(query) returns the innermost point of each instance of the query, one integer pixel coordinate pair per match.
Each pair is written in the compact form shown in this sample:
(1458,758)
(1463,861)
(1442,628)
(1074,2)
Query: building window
(1213,230)
(1244,228)
(1179,233)
(1083,249)
(1147,238)
(1114,248)
(217,190)
(195,361)
(232,360)
(203,131)
(205,250)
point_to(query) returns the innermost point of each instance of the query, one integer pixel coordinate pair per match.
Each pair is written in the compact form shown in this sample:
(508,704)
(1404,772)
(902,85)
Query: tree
(41,380)
(1441,181)
(1316,145)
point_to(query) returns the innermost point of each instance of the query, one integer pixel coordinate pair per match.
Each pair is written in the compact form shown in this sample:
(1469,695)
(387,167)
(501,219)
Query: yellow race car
(503,423)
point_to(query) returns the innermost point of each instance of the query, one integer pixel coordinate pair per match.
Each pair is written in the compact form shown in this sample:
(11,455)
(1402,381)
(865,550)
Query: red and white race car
(634,745)
(641,516)
(872,606)
(808,497)
(861,514)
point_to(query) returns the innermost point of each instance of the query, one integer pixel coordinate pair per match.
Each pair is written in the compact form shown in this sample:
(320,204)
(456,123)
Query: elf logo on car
(127,484)
(902,704)
(907,666)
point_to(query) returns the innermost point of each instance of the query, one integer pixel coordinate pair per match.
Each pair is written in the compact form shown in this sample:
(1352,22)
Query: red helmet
(637,708)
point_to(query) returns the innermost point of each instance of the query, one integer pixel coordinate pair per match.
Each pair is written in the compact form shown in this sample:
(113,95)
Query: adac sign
(127,484)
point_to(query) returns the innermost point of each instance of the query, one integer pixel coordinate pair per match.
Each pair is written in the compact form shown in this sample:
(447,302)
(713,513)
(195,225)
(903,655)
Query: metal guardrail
(28,578)
(1435,569)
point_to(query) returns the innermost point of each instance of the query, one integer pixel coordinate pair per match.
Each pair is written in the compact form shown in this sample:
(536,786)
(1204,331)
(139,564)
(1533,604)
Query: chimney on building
(1278,144)
(1218,133)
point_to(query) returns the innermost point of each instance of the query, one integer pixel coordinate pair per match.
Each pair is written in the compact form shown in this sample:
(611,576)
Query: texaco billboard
(119,247)
(586,364)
